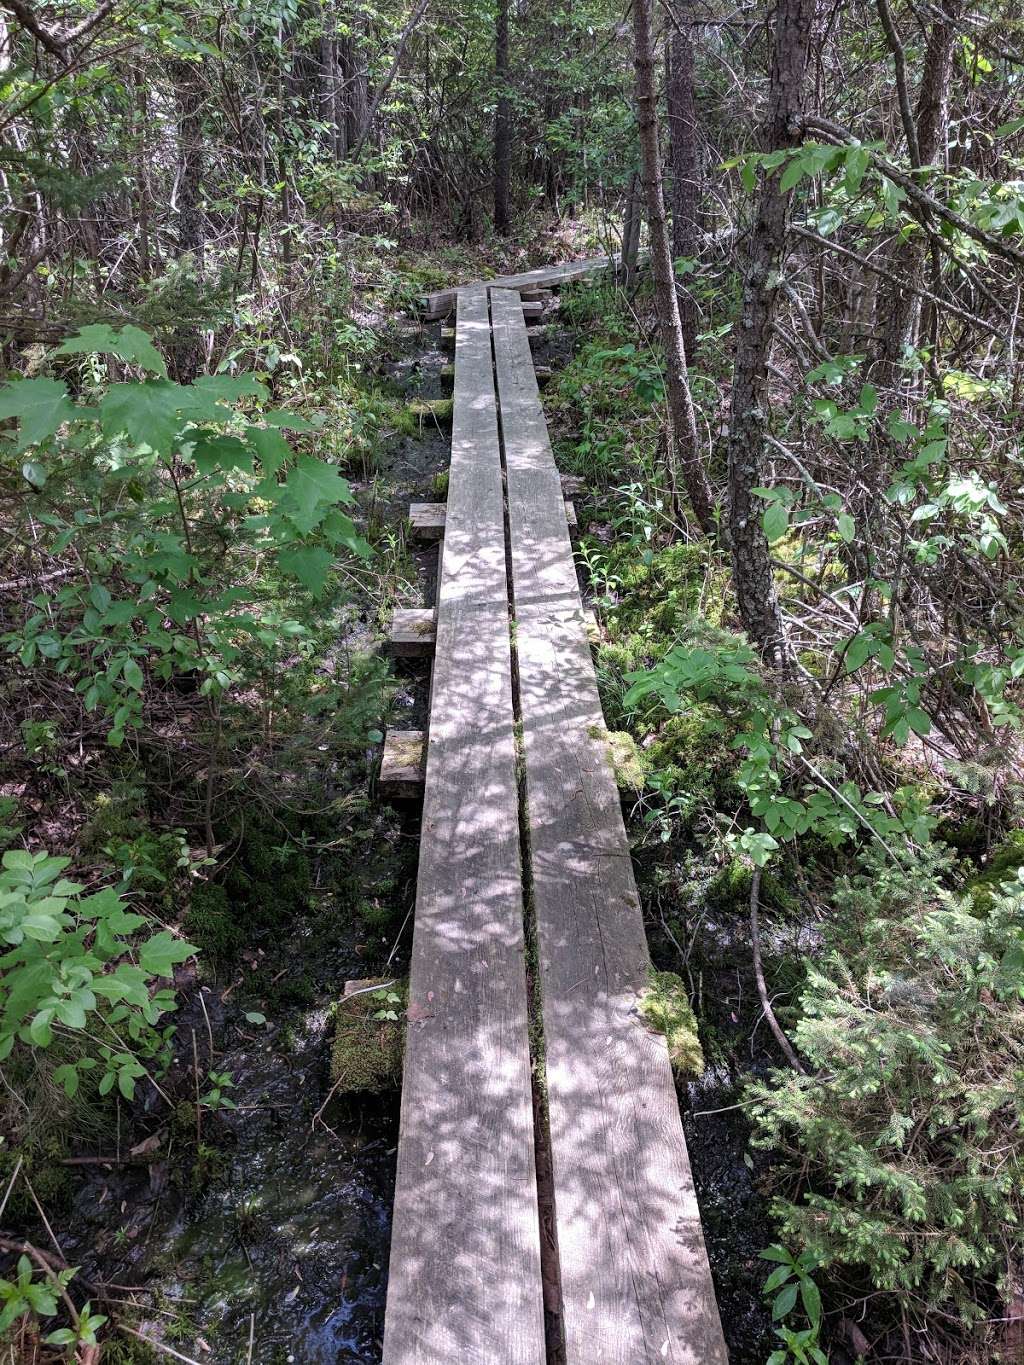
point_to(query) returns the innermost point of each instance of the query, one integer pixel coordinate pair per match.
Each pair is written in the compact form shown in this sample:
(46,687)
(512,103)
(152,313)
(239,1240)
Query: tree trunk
(186,354)
(631,233)
(683,450)
(682,135)
(502,122)
(751,558)
(925,130)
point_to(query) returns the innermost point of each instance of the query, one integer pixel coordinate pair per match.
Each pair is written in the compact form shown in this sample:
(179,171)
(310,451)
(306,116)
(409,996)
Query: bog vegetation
(795,414)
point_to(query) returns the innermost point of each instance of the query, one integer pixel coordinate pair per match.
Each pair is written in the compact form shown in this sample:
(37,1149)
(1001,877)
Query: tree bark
(925,130)
(631,233)
(751,559)
(682,135)
(683,457)
(502,122)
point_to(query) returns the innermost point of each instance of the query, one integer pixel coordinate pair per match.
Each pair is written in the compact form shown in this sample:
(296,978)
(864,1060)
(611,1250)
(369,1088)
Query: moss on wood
(369,1036)
(665,1005)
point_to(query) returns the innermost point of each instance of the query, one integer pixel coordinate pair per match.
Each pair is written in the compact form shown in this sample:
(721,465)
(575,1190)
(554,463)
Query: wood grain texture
(636,1285)
(465,1282)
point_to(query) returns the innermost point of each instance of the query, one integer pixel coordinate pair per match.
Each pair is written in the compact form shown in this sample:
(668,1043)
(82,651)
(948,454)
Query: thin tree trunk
(631,232)
(502,122)
(752,569)
(683,458)
(682,134)
(186,353)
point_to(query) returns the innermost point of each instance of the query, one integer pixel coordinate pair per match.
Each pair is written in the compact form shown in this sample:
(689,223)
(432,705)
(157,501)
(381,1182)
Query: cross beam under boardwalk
(635,1282)
(465,1281)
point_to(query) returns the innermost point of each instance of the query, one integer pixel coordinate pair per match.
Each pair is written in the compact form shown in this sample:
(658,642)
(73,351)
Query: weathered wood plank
(636,1285)
(413,630)
(441,303)
(465,1256)
(426,520)
(401,765)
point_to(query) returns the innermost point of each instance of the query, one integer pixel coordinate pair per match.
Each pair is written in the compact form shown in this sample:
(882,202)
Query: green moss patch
(369,1036)
(665,1005)
(1002,866)
(624,756)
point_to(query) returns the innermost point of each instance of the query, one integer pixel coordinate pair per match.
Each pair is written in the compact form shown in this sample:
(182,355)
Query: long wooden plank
(465,1254)
(441,303)
(635,1280)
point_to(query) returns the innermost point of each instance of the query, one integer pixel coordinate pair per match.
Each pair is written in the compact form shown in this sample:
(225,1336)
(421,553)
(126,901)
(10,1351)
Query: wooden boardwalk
(465,1252)
(441,303)
(630,1263)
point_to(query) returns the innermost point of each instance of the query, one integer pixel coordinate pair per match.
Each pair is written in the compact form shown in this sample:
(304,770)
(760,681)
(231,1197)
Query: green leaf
(160,953)
(228,388)
(132,675)
(309,564)
(312,488)
(846,526)
(289,421)
(212,451)
(40,1030)
(775,521)
(41,405)
(784,1302)
(777,1278)
(270,446)
(793,173)
(148,414)
(811,1298)
(128,343)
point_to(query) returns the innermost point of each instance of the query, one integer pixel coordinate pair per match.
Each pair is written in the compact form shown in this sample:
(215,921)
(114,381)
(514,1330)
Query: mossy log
(369,1036)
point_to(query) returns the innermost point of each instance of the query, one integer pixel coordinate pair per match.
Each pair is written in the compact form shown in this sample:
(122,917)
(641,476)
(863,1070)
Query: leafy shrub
(905,1144)
(77,978)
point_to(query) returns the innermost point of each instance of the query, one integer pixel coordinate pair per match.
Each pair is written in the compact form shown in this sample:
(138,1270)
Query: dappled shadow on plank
(465,1262)
(636,1285)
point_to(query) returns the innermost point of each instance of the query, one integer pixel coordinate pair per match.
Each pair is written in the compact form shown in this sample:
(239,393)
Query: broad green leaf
(784,1302)
(132,675)
(793,173)
(847,527)
(212,451)
(270,446)
(288,421)
(148,414)
(310,565)
(41,406)
(128,343)
(159,955)
(312,488)
(228,388)
(775,521)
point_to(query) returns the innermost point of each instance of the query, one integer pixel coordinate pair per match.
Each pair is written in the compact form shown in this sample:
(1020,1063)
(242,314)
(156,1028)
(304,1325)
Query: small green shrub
(902,1151)
(76,977)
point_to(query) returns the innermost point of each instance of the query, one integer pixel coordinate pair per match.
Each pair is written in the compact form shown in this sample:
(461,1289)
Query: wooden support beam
(441,303)
(413,631)
(536,334)
(401,765)
(427,519)
(544,375)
